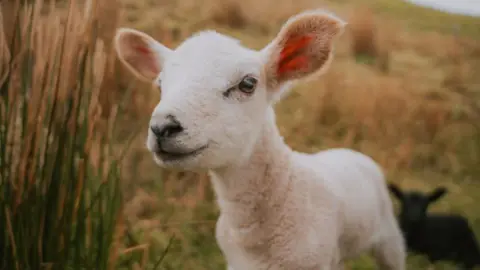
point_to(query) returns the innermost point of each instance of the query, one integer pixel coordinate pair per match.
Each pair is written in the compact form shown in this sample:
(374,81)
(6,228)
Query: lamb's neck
(255,190)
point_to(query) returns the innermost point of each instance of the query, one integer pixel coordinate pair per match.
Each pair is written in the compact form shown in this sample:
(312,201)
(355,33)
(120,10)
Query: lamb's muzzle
(280,209)
(165,148)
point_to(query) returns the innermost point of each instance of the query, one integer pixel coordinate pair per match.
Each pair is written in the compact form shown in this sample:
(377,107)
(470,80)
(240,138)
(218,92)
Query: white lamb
(280,209)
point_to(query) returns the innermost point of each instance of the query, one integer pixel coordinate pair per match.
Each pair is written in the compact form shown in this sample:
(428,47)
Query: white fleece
(280,209)
(287,210)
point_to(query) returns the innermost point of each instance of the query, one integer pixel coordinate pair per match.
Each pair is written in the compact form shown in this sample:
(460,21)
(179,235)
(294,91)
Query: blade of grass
(164,254)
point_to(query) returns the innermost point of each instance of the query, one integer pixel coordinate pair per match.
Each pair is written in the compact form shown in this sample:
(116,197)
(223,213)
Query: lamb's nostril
(167,130)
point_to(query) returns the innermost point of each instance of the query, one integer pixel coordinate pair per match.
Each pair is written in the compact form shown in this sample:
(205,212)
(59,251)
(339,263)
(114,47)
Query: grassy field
(403,88)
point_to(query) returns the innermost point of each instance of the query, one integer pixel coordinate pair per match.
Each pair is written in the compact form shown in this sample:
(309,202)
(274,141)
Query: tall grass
(60,201)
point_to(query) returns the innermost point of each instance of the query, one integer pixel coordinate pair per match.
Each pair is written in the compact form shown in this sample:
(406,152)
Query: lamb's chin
(184,164)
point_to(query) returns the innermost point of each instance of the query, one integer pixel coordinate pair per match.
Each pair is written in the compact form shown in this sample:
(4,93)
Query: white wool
(319,210)
(280,209)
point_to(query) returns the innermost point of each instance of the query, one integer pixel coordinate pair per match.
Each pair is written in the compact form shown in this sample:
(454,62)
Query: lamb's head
(215,93)
(414,204)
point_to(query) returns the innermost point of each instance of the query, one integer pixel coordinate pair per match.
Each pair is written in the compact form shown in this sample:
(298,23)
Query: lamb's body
(288,210)
(280,210)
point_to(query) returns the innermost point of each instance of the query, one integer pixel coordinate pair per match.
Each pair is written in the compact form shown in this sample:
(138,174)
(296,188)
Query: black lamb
(437,236)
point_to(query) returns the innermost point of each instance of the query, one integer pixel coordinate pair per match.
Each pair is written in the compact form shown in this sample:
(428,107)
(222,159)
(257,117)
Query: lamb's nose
(167,130)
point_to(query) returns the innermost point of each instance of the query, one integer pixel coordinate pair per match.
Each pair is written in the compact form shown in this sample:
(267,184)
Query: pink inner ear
(142,49)
(292,55)
(147,58)
(297,62)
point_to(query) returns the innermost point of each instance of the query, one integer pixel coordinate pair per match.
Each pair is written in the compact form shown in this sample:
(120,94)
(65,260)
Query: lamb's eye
(247,85)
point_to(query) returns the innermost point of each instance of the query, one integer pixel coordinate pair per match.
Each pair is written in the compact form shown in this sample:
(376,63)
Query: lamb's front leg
(223,239)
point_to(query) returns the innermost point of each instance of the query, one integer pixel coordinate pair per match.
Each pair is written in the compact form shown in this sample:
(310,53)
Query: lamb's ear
(140,53)
(303,46)
(437,194)
(395,191)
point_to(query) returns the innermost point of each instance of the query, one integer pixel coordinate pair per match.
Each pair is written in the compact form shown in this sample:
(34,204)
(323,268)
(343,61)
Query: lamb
(280,209)
(438,236)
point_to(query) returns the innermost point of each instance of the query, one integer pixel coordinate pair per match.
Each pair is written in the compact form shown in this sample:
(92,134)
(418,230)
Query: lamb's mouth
(178,155)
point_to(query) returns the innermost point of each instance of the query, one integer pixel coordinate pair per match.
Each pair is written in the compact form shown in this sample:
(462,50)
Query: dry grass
(61,203)
(229,13)
(364,33)
(370,44)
